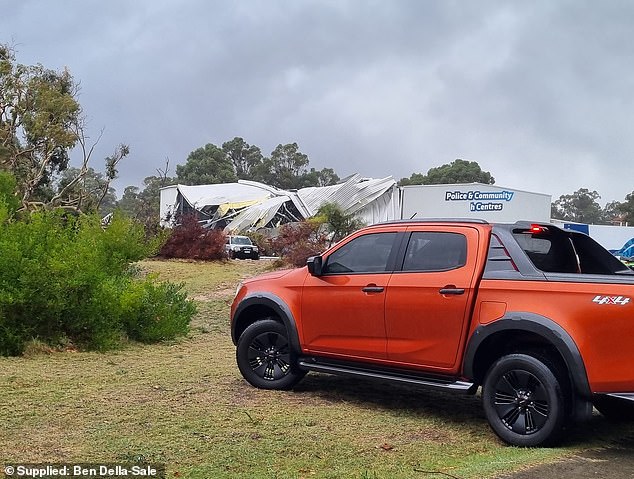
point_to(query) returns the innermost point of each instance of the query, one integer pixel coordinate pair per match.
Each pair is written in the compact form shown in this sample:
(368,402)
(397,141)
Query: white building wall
(492,203)
(168,203)
(611,237)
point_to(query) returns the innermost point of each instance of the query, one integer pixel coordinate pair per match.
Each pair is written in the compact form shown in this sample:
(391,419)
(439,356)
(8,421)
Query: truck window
(365,254)
(431,251)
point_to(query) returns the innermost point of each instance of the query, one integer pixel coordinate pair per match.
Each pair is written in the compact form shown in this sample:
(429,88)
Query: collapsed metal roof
(249,205)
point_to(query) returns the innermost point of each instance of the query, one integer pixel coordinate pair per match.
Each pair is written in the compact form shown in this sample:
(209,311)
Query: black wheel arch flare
(242,318)
(538,325)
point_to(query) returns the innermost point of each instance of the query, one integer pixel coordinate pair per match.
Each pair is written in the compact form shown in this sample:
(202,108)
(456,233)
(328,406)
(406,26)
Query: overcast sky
(539,93)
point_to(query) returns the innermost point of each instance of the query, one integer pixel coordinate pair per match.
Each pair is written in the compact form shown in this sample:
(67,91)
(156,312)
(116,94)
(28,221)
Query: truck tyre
(265,358)
(614,409)
(523,400)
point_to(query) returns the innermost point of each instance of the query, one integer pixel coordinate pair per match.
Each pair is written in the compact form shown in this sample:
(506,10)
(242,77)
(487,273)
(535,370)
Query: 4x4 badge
(620,300)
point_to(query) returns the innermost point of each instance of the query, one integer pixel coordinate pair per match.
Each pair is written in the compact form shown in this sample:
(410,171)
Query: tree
(40,123)
(39,119)
(144,205)
(458,171)
(91,193)
(580,207)
(339,223)
(414,179)
(613,213)
(627,209)
(9,203)
(245,158)
(129,202)
(85,190)
(206,165)
(285,168)
(323,177)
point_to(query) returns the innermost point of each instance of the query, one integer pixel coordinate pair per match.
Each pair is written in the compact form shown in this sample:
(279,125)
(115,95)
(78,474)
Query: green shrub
(156,311)
(64,279)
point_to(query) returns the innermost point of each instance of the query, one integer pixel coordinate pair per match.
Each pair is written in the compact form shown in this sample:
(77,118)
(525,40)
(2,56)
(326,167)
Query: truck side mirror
(314,264)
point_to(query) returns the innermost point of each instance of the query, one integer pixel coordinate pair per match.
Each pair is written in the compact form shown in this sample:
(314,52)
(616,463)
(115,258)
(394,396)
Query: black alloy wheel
(265,358)
(523,400)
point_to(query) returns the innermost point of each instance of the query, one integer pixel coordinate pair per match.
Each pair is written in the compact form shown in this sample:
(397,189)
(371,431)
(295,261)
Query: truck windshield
(241,240)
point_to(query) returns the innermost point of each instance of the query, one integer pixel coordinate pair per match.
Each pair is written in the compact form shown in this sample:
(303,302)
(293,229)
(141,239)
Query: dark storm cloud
(539,93)
(557,107)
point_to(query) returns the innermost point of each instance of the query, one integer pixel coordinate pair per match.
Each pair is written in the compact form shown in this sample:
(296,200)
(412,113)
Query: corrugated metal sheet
(200,196)
(373,200)
(352,195)
(257,216)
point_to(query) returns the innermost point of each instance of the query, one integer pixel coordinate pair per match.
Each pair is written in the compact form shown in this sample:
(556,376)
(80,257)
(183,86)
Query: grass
(184,404)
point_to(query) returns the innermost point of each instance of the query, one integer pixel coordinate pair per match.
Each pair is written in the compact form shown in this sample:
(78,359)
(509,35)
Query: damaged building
(249,205)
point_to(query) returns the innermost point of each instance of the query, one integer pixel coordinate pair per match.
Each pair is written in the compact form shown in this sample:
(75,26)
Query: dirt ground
(615,462)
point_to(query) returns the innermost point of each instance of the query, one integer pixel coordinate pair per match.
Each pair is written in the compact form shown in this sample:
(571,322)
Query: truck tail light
(538,229)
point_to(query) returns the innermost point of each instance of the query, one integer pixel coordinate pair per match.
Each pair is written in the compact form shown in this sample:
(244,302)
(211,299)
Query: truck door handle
(373,288)
(451,290)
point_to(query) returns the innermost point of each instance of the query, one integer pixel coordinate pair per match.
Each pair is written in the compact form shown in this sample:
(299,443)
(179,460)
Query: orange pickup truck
(540,317)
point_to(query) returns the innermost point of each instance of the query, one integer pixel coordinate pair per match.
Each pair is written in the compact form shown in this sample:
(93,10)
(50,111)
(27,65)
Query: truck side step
(443,383)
